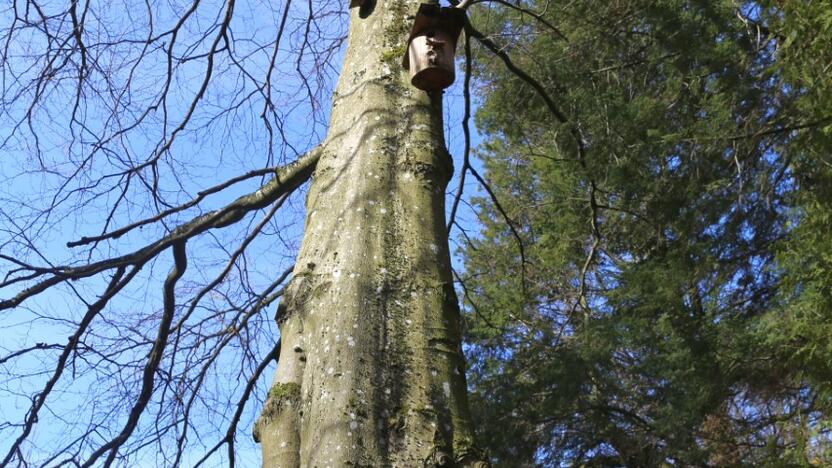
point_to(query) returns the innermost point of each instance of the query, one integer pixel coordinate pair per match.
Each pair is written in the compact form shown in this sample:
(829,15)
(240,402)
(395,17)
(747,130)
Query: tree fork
(371,371)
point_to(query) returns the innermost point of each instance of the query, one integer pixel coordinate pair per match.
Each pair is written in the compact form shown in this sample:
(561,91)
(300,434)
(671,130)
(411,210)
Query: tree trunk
(371,370)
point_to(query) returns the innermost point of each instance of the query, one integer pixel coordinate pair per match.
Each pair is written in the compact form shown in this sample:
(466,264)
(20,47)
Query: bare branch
(287,179)
(466,129)
(153,358)
(118,282)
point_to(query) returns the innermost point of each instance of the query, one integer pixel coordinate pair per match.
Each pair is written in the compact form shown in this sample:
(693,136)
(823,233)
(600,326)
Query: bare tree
(139,269)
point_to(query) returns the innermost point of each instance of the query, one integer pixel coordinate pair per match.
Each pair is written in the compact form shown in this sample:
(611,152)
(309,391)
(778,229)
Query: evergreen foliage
(675,305)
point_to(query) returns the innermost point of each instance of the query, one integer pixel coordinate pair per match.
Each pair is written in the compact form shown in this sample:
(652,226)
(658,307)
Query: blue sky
(221,146)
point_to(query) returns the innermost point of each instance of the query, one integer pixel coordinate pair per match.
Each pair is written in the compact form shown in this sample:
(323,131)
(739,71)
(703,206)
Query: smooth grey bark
(371,371)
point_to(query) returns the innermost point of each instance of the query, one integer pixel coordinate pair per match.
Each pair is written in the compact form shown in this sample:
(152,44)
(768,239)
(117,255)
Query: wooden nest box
(431,46)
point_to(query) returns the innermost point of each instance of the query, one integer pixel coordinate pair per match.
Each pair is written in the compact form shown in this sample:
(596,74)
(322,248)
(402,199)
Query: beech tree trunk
(371,371)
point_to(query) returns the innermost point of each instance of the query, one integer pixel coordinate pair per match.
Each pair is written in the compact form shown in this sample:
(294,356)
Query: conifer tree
(668,305)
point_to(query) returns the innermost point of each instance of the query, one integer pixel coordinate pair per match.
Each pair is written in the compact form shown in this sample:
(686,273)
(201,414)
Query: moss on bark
(282,397)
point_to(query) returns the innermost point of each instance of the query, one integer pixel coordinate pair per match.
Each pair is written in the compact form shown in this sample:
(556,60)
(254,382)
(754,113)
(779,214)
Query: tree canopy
(661,292)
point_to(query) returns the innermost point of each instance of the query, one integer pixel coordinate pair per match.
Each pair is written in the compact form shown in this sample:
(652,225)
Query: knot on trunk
(441,458)
(474,459)
(468,458)
(296,294)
